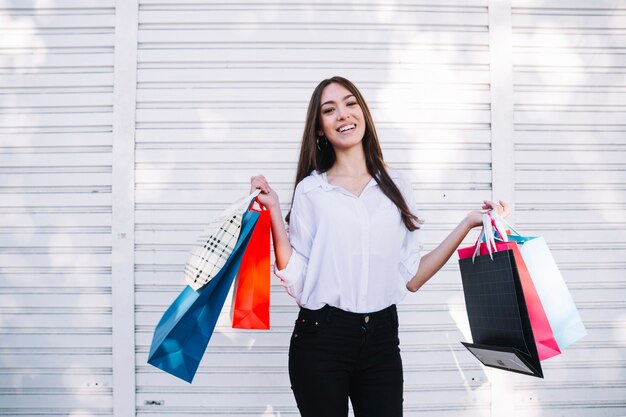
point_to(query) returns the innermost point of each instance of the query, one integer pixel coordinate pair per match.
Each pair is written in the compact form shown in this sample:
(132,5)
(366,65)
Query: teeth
(348,127)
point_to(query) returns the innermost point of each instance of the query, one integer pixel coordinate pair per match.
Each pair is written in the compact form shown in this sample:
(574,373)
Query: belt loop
(329,315)
(394,314)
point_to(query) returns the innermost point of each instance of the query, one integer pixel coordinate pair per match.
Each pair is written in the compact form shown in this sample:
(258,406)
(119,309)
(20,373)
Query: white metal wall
(56,84)
(570,159)
(221,94)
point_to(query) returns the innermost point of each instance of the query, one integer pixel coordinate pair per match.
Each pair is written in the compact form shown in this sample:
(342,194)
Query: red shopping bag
(251,306)
(547,346)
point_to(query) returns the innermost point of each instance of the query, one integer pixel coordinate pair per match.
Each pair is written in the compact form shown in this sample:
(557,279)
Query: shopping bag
(498,317)
(545,340)
(184,331)
(216,244)
(557,301)
(251,305)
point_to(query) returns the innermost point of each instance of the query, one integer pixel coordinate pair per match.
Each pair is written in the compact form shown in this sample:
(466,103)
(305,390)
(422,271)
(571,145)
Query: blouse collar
(318,179)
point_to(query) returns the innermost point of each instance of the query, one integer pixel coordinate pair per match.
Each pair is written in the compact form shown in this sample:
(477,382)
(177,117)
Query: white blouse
(350,252)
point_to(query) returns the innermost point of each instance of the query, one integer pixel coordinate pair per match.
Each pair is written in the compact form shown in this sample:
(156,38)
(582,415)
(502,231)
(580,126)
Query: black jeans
(335,355)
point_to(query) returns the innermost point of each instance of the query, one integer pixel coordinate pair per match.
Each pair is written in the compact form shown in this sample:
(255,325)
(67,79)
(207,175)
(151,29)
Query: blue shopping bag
(184,331)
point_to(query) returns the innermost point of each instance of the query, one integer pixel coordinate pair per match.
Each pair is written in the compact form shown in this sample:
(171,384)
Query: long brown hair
(312,158)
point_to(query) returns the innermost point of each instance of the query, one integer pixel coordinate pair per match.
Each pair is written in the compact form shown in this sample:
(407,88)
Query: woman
(351,255)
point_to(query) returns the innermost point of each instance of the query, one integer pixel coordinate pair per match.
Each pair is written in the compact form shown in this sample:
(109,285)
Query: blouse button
(366,319)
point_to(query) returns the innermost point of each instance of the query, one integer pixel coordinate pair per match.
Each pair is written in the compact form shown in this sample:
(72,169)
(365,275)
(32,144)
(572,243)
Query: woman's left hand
(475,218)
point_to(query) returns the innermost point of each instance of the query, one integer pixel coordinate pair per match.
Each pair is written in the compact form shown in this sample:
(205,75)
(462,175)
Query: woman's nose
(342,113)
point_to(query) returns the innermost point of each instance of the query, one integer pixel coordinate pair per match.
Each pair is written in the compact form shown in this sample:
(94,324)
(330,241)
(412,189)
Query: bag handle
(508,225)
(487,234)
(257,206)
(242,204)
(496,222)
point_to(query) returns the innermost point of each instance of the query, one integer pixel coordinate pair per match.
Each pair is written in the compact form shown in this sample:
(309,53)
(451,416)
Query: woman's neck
(349,162)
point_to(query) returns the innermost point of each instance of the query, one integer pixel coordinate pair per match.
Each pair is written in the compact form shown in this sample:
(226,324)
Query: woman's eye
(352,103)
(327,110)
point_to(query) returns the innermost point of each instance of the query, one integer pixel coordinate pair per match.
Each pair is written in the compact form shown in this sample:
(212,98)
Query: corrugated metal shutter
(222,95)
(570,153)
(56,63)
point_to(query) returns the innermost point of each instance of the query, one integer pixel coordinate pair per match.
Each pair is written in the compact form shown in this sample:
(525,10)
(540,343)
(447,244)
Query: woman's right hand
(268,196)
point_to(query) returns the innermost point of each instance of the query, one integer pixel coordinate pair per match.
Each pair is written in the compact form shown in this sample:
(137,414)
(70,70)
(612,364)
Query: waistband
(328,313)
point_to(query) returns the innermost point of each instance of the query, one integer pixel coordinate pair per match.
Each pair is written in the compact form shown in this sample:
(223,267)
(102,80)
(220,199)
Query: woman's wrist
(274,206)
(471,221)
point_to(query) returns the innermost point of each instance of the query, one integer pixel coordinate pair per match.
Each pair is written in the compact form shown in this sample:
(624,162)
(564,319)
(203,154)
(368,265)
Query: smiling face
(341,117)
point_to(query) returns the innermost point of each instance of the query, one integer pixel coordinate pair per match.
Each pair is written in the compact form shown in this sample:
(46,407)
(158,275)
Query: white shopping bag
(556,299)
(216,244)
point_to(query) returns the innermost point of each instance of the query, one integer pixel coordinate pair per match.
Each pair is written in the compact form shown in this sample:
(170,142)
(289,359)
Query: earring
(318,143)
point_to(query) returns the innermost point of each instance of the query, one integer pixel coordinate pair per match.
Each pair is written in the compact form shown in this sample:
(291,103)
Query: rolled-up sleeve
(410,255)
(301,240)
(411,251)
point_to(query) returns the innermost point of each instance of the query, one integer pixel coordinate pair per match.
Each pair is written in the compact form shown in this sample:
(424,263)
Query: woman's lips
(346,128)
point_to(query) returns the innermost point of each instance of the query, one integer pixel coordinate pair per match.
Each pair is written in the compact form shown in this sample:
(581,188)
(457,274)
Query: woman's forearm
(433,261)
(282,247)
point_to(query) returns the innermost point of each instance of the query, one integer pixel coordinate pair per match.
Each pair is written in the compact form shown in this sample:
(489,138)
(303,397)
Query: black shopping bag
(498,317)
